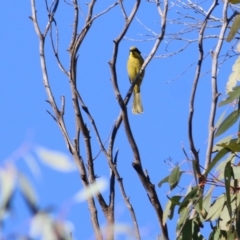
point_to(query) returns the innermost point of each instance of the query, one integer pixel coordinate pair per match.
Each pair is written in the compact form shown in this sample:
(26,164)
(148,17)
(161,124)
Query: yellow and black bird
(134,64)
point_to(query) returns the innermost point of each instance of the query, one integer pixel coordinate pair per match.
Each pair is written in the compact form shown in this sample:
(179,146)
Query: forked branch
(149,187)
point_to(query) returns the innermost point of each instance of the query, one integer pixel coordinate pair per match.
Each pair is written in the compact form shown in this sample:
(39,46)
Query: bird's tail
(137,107)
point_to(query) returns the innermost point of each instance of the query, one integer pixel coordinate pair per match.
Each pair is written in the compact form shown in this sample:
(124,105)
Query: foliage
(200,205)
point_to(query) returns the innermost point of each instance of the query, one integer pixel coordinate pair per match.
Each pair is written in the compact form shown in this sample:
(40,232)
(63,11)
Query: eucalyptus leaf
(174,177)
(216,158)
(187,230)
(183,216)
(207,201)
(7,184)
(189,197)
(228,174)
(28,192)
(231,96)
(227,123)
(236,23)
(218,147)
(220,120)
(55,159)
(165,180)
(233,145)
(169,209)
(216,208)
(237,220)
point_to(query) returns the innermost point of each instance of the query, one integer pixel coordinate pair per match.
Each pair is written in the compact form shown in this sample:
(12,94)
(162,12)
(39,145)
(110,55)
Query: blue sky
(159,131)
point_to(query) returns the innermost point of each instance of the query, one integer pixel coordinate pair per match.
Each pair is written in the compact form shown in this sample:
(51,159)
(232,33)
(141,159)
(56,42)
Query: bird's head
(134,50)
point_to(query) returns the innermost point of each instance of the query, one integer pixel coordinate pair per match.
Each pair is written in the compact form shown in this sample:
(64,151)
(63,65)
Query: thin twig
(55,49)
(123,9)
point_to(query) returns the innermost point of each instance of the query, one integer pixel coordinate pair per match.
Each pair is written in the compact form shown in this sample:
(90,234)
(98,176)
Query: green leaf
(199,209)
(215,160)
(223,235)
(196,230)
(220,120)
(238,200)
(232,79)
(215,234)
(236,24)
(174,177)
(233,145)
(199,205)
(234,1)
(221,166)
(182,219)
(187,230)
(169,209)
(92,190)
(236,171)
(231,236)
(32,164)
(239,96)
(227,123)
(28,192)
(7,184)
(239,124)
(194,170)
(56,160)
(166,212)
(228,173)
(237,224)
(175,202)
(216,208)
(190,197)
(225,219)
(207,201)
(218,147)
(42,226)
(165,180)
(232,96)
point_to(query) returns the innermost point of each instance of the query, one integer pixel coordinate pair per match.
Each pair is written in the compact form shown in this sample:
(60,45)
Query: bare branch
(112,165)
(88,23)
(137,161)
(51,99)
(75,24)
(195,83)
(51,17)
(215,93)
(59,116)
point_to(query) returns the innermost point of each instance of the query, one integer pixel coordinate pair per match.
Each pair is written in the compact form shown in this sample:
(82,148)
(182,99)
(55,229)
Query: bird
(134,64)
